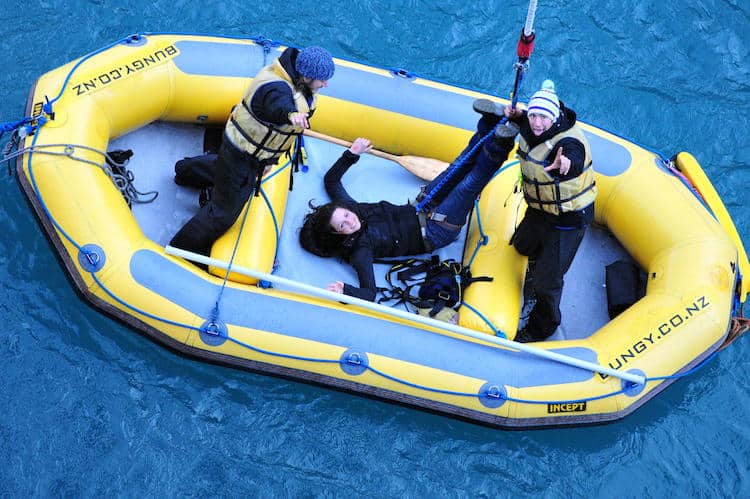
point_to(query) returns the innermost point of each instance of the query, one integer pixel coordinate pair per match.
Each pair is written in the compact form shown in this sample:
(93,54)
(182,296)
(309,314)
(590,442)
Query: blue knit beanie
(545,101)
(315,63)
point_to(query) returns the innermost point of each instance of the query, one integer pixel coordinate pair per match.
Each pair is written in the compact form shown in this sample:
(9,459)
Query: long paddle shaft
(424,168)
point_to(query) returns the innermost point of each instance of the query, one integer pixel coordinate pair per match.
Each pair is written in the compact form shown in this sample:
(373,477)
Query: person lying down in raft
(358,233)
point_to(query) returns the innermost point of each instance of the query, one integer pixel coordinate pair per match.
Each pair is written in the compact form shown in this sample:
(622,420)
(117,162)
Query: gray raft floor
(158,146)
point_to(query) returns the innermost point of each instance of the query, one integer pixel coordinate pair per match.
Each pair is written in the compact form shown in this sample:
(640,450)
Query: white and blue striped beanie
(545,101)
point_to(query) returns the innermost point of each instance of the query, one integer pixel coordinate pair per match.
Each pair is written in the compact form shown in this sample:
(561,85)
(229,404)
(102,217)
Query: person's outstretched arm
(332,179)
(362,260)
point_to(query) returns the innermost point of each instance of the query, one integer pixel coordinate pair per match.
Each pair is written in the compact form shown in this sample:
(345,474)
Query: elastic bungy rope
(523,50)
(424,205)
(33,150)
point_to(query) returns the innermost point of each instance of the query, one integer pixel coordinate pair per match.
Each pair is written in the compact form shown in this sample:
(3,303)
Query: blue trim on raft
(360,333)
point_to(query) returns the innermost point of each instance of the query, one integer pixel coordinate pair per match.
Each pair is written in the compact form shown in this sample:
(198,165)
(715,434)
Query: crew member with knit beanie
(274,110)
(559,189)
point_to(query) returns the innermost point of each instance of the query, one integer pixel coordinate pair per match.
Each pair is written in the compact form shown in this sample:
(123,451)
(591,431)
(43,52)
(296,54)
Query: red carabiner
(525,46)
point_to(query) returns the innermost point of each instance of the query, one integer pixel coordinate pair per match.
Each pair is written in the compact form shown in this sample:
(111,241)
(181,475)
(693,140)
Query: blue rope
(277,229)
(514,97)
(214,315)
(573,401)
(455,166)
(267,44)
(489,323)
(47,109)
(215,311)
(281,355)
(483,238)
(688,372)
(43,204)
(502,396)
(417,385)
(136,309)
(127,39)
(10,126)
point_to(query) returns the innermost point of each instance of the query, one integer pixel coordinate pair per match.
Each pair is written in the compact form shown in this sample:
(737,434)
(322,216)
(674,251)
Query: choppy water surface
(91,408)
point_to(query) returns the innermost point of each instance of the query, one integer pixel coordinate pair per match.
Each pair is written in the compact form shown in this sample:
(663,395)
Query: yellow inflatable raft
(273,315)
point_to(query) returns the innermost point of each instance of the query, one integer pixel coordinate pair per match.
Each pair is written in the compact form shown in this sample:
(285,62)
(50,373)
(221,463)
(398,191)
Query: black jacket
(573,150)
(388,230)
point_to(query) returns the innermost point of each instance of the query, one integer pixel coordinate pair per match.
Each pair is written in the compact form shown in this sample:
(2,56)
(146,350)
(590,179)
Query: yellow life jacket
(547,193)
(265,141)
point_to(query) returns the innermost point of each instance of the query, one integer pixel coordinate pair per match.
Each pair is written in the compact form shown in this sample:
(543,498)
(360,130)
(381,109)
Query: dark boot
(488,107)
(507,130)
(501,144)
(525,335)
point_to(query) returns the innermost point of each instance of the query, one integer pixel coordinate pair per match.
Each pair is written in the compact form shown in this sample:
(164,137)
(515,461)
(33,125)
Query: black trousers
(233,174)
(551,251)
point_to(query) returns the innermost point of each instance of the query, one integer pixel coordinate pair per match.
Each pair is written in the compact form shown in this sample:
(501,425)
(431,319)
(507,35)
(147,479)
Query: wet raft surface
(158,146)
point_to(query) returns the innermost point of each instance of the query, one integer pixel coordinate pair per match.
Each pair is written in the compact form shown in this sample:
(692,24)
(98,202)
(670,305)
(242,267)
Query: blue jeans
(465,185)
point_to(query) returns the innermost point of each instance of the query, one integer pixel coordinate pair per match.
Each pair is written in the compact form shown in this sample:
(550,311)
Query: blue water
(90,408)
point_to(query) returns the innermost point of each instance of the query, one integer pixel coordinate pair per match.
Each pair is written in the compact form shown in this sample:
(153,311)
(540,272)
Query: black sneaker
(486,106)
(524,336)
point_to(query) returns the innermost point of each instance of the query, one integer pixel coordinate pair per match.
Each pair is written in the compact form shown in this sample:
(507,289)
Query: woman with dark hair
(361,232)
